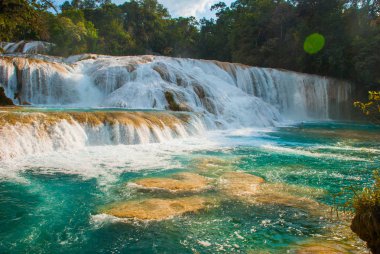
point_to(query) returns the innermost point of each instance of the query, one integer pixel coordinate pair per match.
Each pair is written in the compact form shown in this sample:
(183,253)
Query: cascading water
(221,89)
(29,47)
(218,95)
(24,133)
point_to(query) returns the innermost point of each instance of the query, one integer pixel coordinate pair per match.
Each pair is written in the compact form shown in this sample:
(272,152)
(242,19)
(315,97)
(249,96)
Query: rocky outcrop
(366,225)
(4,100)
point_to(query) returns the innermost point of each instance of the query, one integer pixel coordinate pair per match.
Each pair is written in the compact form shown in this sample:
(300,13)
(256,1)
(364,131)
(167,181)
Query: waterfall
(213,95)
(230,94)
(24,133)
(29,47)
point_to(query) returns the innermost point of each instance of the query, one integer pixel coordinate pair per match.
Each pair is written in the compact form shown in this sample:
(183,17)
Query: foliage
(113,37)
(71,33)
(371,108)
(272,33)
(23,19)
(369,198)
(266,33)
(366,223)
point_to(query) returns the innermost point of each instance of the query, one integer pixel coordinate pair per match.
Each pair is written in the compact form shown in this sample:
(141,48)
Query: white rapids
(216,95)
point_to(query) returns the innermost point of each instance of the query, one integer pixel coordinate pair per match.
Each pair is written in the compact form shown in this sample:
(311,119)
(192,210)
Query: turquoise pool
(52,203)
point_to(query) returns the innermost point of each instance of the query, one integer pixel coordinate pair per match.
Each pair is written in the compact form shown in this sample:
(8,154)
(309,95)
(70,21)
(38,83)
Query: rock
(4,100)
(367,226)
(162,69)
(323,248)
(157,209)
(172,104)
(25,103)
(240,184)
(214,166)
(253,189)
(182,182)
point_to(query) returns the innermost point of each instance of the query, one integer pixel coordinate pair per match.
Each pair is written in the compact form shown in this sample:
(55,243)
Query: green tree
(23,19)
(371,108)
(72,34)
(146,21)
(182,37)
(114,39)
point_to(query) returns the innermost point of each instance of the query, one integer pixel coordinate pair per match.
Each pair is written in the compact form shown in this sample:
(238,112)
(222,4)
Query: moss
(4,100)
(366,223)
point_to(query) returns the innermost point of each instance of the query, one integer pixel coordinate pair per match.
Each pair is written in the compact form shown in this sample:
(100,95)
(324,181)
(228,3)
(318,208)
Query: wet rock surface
(4,100)
(182,182)
(157,209)
(367,227)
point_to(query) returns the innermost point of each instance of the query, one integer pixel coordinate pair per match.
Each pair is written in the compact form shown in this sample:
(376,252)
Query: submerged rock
(214,166)
(324,248)
(157,209)
(240,184)
(182,182)
(253,189)
(279,194)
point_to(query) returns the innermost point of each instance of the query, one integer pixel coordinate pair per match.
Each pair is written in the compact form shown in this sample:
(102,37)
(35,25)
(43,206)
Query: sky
(185,8)
(197,8)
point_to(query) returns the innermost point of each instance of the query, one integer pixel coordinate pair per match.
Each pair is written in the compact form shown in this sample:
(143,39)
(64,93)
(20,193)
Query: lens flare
(314,43)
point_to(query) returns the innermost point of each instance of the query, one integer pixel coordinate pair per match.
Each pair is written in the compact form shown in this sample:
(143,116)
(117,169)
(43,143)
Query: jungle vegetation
(265,33)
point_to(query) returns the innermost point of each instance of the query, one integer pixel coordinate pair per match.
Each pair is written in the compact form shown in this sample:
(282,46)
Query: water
(230,95)
(53,202)
(70,160)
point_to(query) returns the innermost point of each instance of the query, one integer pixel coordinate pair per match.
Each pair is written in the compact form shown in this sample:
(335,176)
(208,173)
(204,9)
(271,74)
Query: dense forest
(267,33)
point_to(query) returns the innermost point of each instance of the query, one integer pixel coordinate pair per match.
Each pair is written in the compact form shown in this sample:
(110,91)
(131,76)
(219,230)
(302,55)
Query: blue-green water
(55,207)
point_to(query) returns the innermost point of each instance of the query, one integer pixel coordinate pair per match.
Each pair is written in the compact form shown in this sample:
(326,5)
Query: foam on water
(303,152)
(106,163)
(26,133)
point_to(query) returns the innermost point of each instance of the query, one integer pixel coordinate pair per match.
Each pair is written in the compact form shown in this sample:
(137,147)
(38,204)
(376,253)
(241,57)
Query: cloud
(188,8)
(196,8)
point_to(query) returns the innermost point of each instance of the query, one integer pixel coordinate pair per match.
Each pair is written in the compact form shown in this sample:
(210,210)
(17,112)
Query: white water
(230,94)
(31,47)
(220,95)
(106,163)
(41,135)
